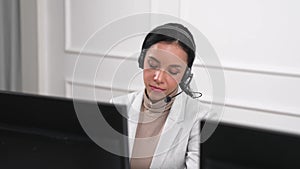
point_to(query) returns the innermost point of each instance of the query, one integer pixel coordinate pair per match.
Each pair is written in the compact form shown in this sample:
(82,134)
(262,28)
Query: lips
(156,89)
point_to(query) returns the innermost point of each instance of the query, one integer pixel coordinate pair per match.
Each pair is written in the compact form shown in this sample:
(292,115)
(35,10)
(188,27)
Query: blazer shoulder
(125,99)
(197,107)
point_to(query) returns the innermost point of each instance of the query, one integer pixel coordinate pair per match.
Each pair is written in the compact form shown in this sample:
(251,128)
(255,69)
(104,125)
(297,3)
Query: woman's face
(164,66)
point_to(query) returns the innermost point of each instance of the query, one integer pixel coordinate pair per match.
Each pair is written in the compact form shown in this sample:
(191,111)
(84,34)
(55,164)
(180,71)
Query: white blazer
(179,143)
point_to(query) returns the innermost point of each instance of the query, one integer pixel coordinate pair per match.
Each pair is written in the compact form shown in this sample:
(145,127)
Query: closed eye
(153,63)
(174,72)
(174,69)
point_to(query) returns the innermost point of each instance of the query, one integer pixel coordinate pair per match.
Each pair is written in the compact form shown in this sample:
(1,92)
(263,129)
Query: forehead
(168,53)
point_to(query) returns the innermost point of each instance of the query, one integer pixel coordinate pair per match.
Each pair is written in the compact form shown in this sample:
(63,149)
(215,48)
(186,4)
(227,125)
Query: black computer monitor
(234,146)
(44,132)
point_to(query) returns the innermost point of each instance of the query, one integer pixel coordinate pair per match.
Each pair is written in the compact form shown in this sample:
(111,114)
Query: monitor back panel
(44,132)
(239,147)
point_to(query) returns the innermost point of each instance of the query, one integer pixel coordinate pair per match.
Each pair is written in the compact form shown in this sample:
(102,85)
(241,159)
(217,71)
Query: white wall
(29,46)
(254,39)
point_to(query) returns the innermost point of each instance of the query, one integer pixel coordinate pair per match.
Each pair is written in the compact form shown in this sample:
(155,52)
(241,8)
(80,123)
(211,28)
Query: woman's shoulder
(126,98)
(196,107)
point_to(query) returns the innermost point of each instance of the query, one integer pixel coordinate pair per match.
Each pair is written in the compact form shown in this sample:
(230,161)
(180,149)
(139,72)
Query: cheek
(172,82)
(147,75)
(174,79)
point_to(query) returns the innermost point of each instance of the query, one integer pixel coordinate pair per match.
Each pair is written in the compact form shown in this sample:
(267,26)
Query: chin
(155,96)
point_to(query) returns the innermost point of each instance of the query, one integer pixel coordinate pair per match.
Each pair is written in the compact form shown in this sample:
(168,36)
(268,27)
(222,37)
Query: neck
(158,105)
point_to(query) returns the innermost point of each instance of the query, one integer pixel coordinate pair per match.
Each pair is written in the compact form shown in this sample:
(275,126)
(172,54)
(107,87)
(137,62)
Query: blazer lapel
(171,131)
(133,117)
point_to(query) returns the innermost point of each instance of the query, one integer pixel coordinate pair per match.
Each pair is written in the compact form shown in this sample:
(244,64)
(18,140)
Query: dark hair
(172,32)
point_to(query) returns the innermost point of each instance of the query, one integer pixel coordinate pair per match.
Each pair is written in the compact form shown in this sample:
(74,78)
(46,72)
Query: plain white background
(256,41)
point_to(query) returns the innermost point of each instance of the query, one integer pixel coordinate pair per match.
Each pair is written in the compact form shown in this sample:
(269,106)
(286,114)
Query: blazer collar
(133,117)
(171,129)
(178,106)
(135,107)
(171,132)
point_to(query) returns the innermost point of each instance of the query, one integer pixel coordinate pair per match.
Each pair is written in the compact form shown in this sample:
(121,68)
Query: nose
(158,76)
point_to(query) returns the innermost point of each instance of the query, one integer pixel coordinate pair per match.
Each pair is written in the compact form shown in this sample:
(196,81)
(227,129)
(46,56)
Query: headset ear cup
(186,79)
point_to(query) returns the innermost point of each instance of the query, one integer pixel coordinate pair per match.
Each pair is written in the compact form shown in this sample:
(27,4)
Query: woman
(164,119)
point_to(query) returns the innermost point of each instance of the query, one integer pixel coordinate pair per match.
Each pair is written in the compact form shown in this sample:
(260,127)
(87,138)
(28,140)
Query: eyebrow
(176,66)
(173,66)
(153,58)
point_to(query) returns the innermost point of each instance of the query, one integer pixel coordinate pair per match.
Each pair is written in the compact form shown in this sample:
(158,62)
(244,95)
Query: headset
(172,30)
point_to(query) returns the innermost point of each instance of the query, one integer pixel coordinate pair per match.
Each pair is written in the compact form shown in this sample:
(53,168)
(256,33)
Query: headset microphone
(169,98)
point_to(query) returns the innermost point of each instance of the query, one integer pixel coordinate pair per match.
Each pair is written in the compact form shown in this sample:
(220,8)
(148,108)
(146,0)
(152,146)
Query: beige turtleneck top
(151,121)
